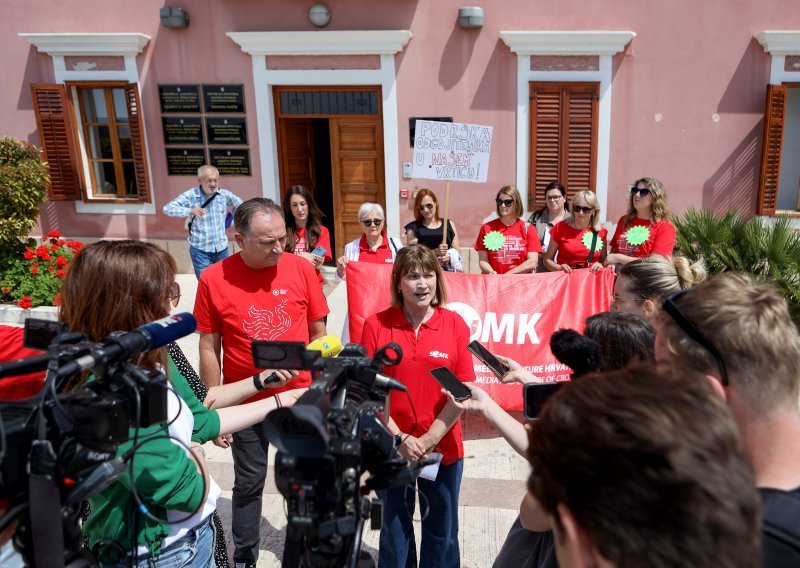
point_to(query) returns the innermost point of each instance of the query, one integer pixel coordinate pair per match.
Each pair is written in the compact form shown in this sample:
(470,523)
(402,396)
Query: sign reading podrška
(451,151)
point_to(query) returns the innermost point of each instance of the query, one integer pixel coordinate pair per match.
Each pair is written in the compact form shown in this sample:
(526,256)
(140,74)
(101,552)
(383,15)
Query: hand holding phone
(536,396)
(319,251)
(487,358)
(450,382)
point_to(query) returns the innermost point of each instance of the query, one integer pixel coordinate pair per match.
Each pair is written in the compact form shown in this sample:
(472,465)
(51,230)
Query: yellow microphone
(329,345)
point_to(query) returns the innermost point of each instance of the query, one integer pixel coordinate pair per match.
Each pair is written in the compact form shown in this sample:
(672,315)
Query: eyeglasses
(426,206)
(690,329)
(643,191)
(175,294)
(553,197)
(371,222)
(582,209)
(504,202)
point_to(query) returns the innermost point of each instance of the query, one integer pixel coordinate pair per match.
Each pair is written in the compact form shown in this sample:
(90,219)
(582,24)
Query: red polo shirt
(381,255)
(440,342)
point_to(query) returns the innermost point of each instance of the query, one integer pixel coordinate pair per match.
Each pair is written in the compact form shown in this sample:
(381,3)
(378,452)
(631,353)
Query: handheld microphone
(123,346)
(329,345)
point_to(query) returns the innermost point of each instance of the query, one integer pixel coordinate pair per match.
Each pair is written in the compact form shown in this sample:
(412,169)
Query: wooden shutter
(563,138)
(137,141)
(56,137)
(771,150)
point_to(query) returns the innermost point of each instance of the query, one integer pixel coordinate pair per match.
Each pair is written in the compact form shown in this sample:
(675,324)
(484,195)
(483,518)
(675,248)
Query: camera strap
(45,506)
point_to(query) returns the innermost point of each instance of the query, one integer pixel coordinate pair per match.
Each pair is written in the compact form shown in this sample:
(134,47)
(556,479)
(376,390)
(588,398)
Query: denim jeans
(202,259)
(195,549)
(249,451)
(439,547)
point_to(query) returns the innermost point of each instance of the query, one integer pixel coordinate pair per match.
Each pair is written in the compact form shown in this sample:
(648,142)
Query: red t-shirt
(660,240)
(323,241)
(440,342)
(245,304)
(381,255)
(571,246)
(519,241)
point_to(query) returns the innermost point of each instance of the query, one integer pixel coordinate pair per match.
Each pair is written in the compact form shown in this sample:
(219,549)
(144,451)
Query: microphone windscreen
(576,351)
(166,330)
(329,345)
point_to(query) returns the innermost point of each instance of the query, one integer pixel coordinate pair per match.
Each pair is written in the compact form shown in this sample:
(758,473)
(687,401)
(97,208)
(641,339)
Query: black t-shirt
(527,549)
(431,238)
(780,530)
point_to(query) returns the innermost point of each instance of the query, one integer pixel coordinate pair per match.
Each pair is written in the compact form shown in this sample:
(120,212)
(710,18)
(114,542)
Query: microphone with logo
(327,345)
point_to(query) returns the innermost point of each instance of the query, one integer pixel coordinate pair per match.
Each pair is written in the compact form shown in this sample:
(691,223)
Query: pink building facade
(675,91)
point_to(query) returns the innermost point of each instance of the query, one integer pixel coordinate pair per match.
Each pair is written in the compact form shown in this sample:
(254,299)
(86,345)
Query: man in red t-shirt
(257,294)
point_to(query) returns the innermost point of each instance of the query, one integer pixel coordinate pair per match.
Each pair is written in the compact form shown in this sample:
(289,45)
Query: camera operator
(425,420)
(118,286)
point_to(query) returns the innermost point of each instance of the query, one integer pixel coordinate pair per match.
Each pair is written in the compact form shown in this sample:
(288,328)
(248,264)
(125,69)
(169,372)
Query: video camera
(327,440)
(58,449)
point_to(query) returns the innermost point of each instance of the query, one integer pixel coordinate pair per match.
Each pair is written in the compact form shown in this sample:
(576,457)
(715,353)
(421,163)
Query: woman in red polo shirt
(374,245)
(572,240)
(430,337)
(645,229)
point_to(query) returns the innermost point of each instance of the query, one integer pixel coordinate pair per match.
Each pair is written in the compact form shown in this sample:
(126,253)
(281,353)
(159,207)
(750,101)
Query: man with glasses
(739,333)
(257,294)
(206,207)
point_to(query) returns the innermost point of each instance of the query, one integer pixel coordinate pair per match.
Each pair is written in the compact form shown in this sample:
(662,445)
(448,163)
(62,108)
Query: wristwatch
(398,439)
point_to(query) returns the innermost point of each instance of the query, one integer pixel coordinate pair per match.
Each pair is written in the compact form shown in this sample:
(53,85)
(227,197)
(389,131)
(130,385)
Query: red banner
(511,315)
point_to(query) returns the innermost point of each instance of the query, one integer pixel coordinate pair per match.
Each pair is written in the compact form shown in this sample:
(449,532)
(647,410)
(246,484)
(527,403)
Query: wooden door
(296,141)
(357,163)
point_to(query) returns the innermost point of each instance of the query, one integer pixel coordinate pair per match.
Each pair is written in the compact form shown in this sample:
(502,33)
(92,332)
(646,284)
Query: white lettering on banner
(502,330)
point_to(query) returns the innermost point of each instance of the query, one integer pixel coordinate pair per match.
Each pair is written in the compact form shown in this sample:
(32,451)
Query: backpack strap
(591,249)
(203,206)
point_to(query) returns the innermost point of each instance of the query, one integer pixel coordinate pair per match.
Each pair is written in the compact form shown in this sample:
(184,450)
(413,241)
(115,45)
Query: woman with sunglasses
(508,245)
(579,242)
(304,232)
(169,521)
(426,229)
(374,245)
(556,209)
(645,229)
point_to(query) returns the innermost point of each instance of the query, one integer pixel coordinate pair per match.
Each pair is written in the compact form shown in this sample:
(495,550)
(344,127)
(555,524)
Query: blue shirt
(208,231)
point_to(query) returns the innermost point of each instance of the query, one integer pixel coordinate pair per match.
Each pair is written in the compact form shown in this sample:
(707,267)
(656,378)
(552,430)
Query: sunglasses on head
(582,209)
(425,206)
(504,202)
(371,222)
(175,294)
(643,191)
(689,328)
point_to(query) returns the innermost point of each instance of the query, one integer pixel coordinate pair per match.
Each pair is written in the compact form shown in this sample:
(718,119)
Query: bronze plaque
(227,130)
(182,130)
(230,162)
(223,98)
(184,161)
(179,98)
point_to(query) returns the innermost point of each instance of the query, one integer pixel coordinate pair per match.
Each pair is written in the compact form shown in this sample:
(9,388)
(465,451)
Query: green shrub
(731,242)
(24,180)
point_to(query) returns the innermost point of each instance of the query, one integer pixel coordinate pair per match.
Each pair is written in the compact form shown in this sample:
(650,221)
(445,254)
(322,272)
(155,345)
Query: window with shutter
(771,151)
(57,142)
(563,131)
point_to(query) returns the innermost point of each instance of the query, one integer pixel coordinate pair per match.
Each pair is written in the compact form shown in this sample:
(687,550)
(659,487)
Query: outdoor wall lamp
(319,15)
(470,17)
(174,18)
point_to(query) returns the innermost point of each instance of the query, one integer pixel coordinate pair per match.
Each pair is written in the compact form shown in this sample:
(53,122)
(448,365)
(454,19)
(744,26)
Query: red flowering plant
(33,276)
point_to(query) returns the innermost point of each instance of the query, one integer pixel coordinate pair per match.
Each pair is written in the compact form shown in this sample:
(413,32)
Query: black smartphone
(485,356)
(535,396)
(448,380)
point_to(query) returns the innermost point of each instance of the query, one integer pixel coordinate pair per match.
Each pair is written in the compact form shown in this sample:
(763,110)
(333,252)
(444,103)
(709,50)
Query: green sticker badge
(587,241)
(494,240)
(637,235)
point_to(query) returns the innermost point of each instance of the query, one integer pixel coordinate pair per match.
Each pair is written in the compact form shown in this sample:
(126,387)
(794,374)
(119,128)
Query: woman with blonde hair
(645,229)
(579,242)
(644,282)
(508,245)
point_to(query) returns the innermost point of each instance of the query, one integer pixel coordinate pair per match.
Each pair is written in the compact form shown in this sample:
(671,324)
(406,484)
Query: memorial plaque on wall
(227,130)
(182,130)
(233,162)
(223,98)
(179,98)
(184,161)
